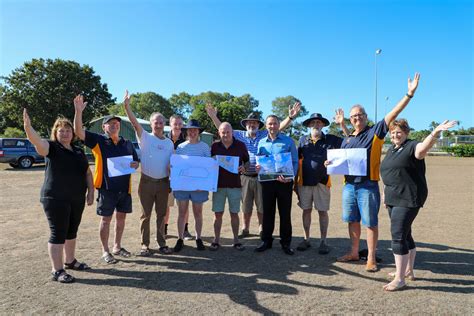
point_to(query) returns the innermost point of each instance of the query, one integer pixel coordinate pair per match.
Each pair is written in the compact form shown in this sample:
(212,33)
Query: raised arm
(292,113)
(339,119)
(79,106)
(212,112)
(412,85)
(422,148)
(133,119)
(41,145)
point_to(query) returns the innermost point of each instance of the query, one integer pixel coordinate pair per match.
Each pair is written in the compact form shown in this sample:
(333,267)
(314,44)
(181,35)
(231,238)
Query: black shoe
(263,246)
(166,229)
(200,244)
(288,250)
(178,246)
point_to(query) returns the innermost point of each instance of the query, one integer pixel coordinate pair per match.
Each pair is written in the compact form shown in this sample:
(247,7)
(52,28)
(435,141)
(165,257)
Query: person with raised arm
(113,191)
(63,194)
(405,192)
(156,151)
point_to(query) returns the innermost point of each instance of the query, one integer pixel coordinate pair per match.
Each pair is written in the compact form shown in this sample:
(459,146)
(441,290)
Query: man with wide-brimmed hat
(250,136)
(312,183)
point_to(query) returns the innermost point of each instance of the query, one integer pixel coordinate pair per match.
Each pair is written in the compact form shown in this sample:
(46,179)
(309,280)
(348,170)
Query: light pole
(377,52)
(386,103)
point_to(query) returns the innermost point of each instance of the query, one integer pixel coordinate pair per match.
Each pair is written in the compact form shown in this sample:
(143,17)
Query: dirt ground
(232,282)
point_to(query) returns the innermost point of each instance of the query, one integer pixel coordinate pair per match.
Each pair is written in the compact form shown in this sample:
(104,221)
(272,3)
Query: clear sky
(322,52)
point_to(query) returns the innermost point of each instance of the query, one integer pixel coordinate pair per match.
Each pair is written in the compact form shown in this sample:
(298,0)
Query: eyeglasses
(357,115)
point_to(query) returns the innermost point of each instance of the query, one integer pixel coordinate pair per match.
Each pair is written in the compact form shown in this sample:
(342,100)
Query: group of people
(69,183)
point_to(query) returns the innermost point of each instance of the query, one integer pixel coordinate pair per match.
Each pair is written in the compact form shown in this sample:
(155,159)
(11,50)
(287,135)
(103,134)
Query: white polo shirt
(155,155)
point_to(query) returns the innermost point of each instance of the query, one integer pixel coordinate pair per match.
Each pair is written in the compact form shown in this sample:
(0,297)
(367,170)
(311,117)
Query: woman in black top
(405,191)
(67,178)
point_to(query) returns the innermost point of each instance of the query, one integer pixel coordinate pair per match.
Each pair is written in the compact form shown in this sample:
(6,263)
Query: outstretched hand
(412,85)
(211,110)
(339,117)
(126,99)
(294,110)
(445,126)
(26,119)
(79,103)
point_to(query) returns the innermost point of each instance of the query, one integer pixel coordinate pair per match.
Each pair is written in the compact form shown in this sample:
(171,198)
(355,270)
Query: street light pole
(377,52)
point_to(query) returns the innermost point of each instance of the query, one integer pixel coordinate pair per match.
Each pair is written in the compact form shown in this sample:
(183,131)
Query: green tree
(144,104)
(280,107)
(419,135)
(334,128)
(47,87)
(230,108)
(181,103)
(14,132)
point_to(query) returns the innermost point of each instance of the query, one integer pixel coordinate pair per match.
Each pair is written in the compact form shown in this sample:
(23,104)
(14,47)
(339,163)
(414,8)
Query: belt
(253,175)
(148,178)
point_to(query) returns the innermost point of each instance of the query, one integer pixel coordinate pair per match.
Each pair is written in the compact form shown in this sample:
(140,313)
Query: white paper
(350,161)
(273,166)
(229,163)
(192,173)
(119,166)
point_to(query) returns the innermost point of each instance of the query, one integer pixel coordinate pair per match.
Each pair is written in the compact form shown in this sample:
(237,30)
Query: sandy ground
(228,281)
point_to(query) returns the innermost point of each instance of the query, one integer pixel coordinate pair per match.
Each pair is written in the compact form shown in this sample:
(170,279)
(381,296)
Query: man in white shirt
(156,151)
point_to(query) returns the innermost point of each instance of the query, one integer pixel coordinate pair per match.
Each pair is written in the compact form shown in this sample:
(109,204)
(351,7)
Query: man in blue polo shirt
(361,195)
(251,136)
(279,190)
(114,192)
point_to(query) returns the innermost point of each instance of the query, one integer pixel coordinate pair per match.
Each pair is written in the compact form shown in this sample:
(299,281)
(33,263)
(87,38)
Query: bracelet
(291,118)
(409,96)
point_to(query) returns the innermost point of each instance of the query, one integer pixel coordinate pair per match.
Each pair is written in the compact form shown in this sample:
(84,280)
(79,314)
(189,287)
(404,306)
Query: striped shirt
(199,149)
(252,145)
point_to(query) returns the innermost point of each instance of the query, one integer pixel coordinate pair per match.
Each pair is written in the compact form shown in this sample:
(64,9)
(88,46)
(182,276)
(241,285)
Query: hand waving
(339,117)
(79,103)
(294,110)
(26,119)
(126,99)
(211,110)
(412,85)
(445,126)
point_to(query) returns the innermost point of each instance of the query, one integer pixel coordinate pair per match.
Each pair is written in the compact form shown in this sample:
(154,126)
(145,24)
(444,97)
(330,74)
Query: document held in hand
(350,161)
(193,173)
(119,166)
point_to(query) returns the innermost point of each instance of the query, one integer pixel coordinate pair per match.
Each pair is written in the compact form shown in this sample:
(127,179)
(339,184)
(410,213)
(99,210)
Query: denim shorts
(193,196)
(233,196)
(361,201)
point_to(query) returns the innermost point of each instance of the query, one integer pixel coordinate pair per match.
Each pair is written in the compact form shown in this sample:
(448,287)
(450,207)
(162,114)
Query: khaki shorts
(170,199)
(318,195)
(251,192)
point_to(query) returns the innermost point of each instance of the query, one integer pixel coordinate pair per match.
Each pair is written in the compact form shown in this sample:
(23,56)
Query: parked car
(19,153)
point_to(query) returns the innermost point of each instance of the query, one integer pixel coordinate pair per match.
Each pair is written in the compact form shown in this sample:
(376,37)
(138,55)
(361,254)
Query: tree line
(46,87)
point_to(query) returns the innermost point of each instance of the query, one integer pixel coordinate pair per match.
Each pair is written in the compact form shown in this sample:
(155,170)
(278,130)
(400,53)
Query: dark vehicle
(19,153)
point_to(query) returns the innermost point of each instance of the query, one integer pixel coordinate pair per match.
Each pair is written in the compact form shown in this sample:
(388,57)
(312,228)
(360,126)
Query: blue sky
(319,51)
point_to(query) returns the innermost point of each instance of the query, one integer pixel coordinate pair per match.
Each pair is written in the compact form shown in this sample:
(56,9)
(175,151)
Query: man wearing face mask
(312,184)
(251,136)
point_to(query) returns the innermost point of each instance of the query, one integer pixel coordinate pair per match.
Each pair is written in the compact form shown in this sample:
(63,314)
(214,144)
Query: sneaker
(304,245)
(323,248)
(188,236)
(179,245)
(200,244)
(244,233)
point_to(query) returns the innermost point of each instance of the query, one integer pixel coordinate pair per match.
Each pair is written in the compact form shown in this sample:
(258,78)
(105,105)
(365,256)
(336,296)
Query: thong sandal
(393,288)
(62,276)
(347,258)
(108,258)
(239,246)
(76,265)
(408,277)
(122,252)
(214,246)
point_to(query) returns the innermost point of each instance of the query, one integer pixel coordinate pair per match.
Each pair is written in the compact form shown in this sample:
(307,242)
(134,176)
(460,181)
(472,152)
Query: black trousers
(401,219)
(273,193)
(64,218)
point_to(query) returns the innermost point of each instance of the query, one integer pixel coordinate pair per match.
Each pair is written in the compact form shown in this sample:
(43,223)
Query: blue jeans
(361,201)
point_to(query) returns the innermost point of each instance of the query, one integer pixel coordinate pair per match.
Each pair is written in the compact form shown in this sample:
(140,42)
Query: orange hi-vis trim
(98,172)
(375,154)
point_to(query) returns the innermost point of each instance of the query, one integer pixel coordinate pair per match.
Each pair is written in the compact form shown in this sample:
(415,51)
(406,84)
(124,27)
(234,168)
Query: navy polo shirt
(103,148)
(313,155)
(371,138)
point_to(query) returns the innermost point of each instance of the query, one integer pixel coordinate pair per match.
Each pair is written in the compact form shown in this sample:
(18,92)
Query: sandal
(347,258)
(108,258)
(371,266)
(145,252)
(76,265)
(62,276)
(239,246)
(165,250)
(122,252)
(214,246)
(394,287)
(409,277)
